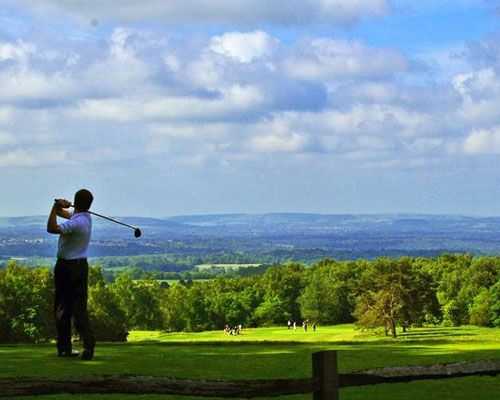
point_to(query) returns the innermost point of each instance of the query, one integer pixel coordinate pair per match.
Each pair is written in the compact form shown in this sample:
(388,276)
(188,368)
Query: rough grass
(274,353)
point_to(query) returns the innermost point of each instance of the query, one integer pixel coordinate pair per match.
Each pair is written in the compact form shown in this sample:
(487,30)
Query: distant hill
(284,235)
(317,224)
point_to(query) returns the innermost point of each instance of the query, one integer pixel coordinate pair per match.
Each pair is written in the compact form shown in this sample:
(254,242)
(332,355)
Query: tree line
(386,294)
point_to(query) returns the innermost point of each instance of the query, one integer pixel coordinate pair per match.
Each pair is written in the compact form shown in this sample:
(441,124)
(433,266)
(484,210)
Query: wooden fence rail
(324,384)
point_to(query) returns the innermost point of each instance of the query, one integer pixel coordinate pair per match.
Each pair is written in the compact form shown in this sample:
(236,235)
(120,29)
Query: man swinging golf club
(71,273)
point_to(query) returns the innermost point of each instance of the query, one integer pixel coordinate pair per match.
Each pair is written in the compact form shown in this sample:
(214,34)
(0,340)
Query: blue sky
(331,106)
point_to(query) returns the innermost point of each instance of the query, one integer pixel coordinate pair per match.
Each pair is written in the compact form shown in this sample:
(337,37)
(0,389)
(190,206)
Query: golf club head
(137,233)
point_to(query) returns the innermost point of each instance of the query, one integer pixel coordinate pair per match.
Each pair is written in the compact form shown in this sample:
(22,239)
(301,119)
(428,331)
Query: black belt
(73,260)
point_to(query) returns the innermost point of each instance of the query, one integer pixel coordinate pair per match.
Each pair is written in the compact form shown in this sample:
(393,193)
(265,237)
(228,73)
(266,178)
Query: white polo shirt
(75,237)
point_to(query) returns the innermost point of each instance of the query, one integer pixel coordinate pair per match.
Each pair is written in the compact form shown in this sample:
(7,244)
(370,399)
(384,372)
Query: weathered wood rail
(324,384)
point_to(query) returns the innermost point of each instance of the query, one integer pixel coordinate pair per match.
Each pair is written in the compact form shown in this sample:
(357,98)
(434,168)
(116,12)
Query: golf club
(137,231)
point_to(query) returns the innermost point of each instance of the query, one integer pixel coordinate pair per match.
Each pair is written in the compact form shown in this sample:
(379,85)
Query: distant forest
(385,294)
(179,243)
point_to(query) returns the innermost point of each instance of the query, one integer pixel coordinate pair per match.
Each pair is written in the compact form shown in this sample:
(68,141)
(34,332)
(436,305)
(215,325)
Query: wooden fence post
(326,374)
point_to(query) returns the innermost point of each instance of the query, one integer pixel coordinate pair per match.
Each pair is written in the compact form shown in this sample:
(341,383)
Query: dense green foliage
(386,293)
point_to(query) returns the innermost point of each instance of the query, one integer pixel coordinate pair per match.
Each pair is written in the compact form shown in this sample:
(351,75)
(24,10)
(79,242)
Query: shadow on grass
(233,360)
(382,342)
(448,333)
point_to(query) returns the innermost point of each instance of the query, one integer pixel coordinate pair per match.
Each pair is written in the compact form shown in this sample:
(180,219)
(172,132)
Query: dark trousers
(71,281)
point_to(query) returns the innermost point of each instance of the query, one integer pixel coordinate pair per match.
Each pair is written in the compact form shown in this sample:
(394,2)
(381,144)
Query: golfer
(71,273)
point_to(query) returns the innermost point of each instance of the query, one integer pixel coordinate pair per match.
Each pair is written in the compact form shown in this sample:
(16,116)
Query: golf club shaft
(112,220)
(109,219)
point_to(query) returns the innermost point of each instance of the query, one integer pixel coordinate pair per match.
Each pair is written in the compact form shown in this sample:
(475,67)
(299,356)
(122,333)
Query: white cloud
(19,51)
(330,59)
(237,93)
(278,143)
(6,114)
(216,98)
(122,68)
(479,83)
(369,119)
(30,84)
(484,141)
(378,92)
(243,47)
(16,158)
(21,80)
(189,131)
(205,72)
(298,12)
(172,62)
(425,145)
(233,101)
(480,91)
(32,158)
(6,138)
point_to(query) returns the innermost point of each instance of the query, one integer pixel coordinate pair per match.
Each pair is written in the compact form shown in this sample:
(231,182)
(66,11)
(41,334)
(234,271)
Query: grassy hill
(273,353)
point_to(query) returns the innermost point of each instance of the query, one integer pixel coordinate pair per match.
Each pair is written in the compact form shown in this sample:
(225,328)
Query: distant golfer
(71,273)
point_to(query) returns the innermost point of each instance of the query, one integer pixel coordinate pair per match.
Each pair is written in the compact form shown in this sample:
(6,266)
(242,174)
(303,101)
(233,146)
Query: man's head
(83,200)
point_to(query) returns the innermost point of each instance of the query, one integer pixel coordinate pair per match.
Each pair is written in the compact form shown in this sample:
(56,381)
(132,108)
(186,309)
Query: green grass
(274,353)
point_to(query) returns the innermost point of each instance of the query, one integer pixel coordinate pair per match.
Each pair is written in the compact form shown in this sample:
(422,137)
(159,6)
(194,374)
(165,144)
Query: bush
(26,304)
(107,319)
(480,312)
(454,313)
(495,305)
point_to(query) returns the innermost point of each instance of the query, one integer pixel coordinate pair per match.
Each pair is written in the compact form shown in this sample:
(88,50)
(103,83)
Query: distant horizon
(393,214)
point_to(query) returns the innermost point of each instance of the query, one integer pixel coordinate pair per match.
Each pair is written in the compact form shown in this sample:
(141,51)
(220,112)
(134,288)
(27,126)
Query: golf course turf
(273,353)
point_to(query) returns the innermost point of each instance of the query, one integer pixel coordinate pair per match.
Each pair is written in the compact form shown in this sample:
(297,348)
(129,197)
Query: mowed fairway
(273,353)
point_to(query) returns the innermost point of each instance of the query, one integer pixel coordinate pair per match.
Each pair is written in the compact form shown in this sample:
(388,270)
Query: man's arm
(57,209)
(63,213)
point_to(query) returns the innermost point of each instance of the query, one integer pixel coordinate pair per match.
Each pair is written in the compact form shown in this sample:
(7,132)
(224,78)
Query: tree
(481,309)
(141,302)
(449,272)
(174,306)
(283,285)
(108,319)
(229,301)
(328,297)
(392,293)
(495,304)
(26,304)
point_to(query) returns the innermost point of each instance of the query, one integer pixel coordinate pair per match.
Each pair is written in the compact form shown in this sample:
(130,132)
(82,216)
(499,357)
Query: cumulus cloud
(19,51)
(243,47)
(480,91)
(278,136)
(276,143)
(19,85)
(31,158)
(233,101)
(483,141)
(330,59)
(5,114)
(237,96)
(297,12)
(6,138)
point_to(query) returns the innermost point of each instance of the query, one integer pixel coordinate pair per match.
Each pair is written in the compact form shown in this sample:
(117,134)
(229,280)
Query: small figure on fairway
(294,325)
(314,326)
(304,325)
(71,273)
(289,324)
